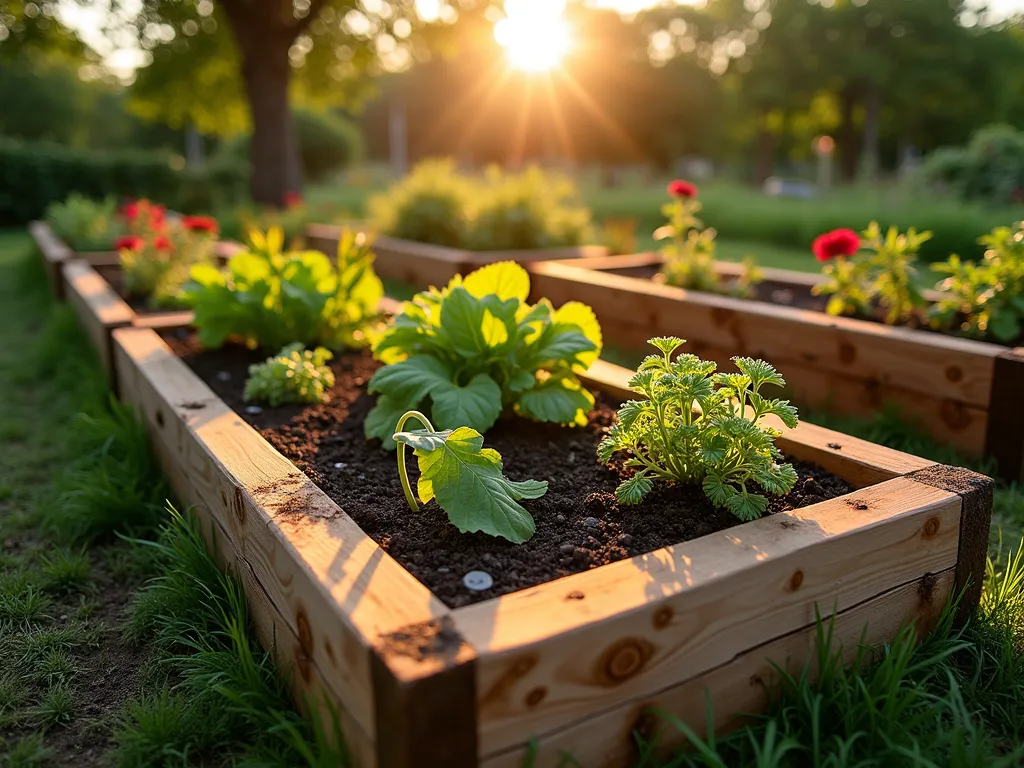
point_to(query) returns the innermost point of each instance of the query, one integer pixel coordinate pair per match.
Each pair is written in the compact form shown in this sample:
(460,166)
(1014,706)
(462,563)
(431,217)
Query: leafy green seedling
(293,375)
(698,426)
(466,480)
(477,348)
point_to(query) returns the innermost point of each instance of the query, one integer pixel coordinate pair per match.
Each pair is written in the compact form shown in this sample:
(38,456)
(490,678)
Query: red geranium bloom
(292,199)
(162,243)
(200,224)
(129,243)
(131,210)
(838,242)
(680,188)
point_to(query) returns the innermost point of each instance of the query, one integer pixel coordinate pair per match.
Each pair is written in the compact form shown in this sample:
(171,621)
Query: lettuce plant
(268,298)
(698,426)
(466,480)
(293,375)
(986,298)
(872,268)
(477,348)
(689,256)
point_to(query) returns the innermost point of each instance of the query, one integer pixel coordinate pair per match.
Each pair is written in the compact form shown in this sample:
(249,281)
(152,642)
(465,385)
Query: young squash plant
(268,298)
(466,480)
(698,426)
(477,348)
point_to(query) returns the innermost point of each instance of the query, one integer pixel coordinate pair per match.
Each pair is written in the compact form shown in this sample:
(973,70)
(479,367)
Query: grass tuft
(66,571)
(28,752)
(56,705)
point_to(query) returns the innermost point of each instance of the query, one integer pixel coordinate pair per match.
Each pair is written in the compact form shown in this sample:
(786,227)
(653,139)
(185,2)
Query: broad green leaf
(477,405)
(409,381)
(462,321)
(423,439)
(633,490)
(521,379)
(561,342)
(504,279)
(466,480)
(382,420)
(557,400)
(579,314)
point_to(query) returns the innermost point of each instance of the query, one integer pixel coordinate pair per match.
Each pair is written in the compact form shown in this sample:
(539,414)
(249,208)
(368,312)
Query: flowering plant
(689,259)
(871,269)
(157,254)
(987,297)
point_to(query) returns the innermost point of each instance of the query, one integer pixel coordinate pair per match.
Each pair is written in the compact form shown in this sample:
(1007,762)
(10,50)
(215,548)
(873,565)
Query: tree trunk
(273,151)
(871,161)
(846,136)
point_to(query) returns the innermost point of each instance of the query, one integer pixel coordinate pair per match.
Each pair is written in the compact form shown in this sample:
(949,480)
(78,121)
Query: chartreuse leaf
(633,490)
(467,482)
(489,351)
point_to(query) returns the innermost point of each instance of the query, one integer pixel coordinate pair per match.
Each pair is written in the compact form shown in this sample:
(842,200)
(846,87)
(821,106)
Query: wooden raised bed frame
(968,394)
(422,264)
(575,662)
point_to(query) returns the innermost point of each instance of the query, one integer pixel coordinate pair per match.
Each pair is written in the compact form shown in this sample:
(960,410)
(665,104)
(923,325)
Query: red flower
(162,243)
(292,199)
(680,188)
(200,224)
(838,242)
(129,243)
(131,210)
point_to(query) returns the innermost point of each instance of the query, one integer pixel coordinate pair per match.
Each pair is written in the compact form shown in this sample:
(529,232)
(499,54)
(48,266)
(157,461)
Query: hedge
(33,175)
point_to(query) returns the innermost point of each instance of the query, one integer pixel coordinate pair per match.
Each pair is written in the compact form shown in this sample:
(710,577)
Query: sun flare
(534,34)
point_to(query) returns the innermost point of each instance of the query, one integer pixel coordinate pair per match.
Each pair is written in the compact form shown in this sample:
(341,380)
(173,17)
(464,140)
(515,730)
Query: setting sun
(534,34)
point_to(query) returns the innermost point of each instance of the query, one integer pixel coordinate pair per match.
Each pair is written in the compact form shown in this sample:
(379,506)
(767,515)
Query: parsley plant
(293,375)
(698,426)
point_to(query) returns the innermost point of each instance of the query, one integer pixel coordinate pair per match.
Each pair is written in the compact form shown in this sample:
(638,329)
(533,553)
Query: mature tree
(224,65)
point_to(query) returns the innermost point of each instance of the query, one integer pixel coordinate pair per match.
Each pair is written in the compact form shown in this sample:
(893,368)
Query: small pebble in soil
(478,581)
(444,569)
(223,376)
(591,522)
(567,549)
(253,410)
(340,465)
(626,540)
(559,518)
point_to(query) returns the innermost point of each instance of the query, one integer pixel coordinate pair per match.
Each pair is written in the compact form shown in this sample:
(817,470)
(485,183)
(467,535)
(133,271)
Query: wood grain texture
(844,364)
(737,687)
(859,462)
(99,308)
(54,253)
(546,660)
(337,590)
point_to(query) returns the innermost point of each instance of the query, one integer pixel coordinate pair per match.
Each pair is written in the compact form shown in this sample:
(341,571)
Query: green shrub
(84,224)
(503,211)
(989,168)
(34,175)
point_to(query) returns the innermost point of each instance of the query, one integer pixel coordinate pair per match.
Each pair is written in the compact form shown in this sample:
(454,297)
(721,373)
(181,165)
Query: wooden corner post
(424,681)
(1004,436)
(975,520)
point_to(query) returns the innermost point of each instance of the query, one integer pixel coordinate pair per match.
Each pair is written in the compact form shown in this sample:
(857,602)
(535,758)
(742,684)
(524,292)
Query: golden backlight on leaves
(534,34)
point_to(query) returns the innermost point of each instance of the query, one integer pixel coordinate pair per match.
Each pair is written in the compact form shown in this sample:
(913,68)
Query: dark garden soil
(579,523)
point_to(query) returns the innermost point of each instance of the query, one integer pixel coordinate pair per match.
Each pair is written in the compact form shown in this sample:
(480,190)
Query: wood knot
(756,680)
(304,631)
(624,660)
(795,581)
(931,527)
(159,418)
(645,724)
(955,415)
(954,373)
(575,595)
(926,589)
(239,505)
(847,353)
(536,696)
(663,617)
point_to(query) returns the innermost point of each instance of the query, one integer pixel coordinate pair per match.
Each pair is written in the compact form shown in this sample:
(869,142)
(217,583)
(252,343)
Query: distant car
(779,187)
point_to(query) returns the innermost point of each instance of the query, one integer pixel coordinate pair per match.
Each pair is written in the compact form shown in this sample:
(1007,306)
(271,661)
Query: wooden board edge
(1004,432)
(54,253)
(99,308)
(858,461)
(976,491)
(608,738)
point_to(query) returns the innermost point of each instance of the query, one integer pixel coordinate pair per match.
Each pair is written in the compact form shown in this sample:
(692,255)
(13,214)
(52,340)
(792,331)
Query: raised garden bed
(965,393)
(423,264)
(92,286)
(574,662)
